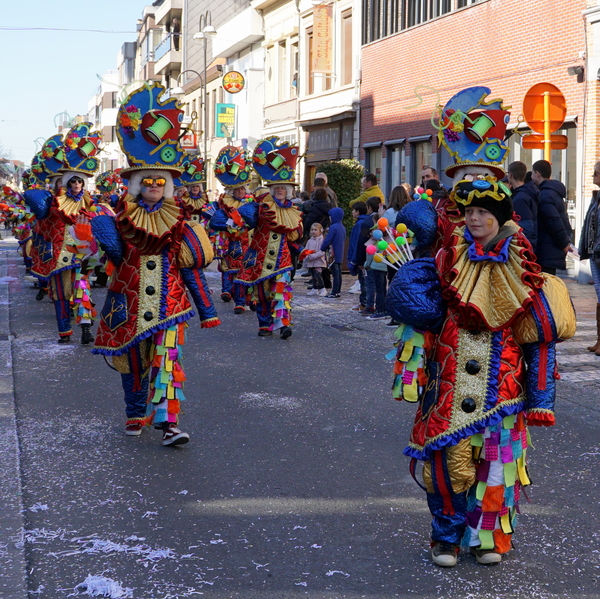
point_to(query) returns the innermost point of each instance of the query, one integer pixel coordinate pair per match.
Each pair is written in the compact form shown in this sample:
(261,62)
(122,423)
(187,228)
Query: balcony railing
(169,43)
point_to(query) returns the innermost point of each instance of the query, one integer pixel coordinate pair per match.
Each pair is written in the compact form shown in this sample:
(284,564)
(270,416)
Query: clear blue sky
(44,73)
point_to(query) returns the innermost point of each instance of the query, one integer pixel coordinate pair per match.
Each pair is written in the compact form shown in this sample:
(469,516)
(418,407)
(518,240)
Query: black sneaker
(487,557)
(332,296)
(173,436)
(41,294)
(265,333)
(444,554)
(393,323)
(226,297)
(64,339)
(285,332)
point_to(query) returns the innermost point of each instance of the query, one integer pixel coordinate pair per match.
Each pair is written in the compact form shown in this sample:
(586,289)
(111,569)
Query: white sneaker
(355,287)
(311,292)
(322,292)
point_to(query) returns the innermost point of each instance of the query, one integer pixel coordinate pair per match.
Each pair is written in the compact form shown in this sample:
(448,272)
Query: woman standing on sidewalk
(589,248)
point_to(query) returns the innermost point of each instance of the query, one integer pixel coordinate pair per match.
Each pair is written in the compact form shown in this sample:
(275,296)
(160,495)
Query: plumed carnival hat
(193,171)
(109,181)
(275,162)
(493,196)
(148,130)
(232,167)
(80,147)
(473,131)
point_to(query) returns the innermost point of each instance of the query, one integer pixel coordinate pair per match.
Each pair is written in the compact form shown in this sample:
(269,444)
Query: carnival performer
(108,184)
(275,222)
(156,254)
(227,220)
(477,351)
(65,248)
(198,210)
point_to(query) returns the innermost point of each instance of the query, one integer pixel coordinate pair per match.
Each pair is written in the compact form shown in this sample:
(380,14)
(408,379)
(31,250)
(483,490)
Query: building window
(282,71)
(394,166)
(373,162)
(295,68)
(385,17)
(346,49)
(420,153)
(271,67)
(310,80)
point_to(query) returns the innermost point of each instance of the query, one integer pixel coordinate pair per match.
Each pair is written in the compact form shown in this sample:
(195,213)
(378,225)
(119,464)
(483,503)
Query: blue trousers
(376,280)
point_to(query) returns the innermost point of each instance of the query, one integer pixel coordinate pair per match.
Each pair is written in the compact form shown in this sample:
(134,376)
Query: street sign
(536,142)
(225,120)
(544,109)
(233,82)
(533,107)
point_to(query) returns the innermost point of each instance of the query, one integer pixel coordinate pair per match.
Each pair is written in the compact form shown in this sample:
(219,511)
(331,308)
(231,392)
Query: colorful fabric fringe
(501,473)
(81,300)
(410,377)
(282,298)
(166,375)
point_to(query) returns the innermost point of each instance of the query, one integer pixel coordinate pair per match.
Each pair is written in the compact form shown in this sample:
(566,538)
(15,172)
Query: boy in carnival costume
(477,345)
(267,263)
(233,169)
(155,254)
(63,240)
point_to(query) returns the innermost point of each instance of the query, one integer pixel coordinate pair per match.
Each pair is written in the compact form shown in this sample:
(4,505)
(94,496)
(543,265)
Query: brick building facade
(418,53)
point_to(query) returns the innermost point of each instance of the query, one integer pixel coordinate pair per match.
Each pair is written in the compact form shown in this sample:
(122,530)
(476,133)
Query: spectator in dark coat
(554,229)
(335,239)
(321,181)
(319,211)
(359,212)
(525,200)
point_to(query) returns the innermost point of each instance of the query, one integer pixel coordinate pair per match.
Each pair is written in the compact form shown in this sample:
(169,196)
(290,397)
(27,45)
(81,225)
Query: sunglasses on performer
(149,181)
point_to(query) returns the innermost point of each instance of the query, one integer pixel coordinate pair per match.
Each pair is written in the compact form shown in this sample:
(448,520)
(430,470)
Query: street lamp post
(180,92)
(205,32)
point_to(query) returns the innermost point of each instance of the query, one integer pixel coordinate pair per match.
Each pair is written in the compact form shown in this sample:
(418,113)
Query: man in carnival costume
(155,255)
(233,170)
(267,263)
(108,184)
(64,244)
(477,345)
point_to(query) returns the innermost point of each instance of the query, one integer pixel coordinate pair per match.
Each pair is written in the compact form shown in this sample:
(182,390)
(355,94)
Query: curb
(13,582)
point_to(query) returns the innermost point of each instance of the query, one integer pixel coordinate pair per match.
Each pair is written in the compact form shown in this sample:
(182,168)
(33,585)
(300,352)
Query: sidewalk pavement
(13,582)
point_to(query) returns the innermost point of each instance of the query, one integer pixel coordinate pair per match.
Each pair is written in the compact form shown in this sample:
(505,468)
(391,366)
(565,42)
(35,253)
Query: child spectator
(359,213)
(335,239)
(315,261)
(376,287)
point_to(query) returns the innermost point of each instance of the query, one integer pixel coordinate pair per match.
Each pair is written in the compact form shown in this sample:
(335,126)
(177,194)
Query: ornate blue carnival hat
(148,130)
(193,171)
(109,181)
(275,161)
(473,130)
(232,167)
(53,155)
(81,145)
(37,174)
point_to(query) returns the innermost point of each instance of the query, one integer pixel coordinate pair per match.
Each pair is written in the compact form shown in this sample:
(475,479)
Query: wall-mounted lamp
(577,70)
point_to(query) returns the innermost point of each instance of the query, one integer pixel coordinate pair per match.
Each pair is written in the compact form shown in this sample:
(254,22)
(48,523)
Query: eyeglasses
(75,180)
(596,173)
(149,181)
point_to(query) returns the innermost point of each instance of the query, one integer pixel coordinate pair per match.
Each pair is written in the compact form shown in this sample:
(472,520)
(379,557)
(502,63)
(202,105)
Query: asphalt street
(293,484)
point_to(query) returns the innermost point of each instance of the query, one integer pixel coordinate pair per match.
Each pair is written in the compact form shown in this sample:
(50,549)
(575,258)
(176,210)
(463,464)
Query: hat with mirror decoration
(473,131)
(148,130)
(193,171)
(233,167)
(275,161)
(36,176)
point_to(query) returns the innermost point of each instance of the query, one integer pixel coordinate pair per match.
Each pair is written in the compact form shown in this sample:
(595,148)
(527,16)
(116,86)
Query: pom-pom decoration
(383,224)
(377,234)
(371,250)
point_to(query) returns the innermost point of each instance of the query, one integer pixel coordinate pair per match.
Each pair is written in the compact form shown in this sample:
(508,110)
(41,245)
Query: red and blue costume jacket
(55,248)
(490,321)
(156,256)
(275,225)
